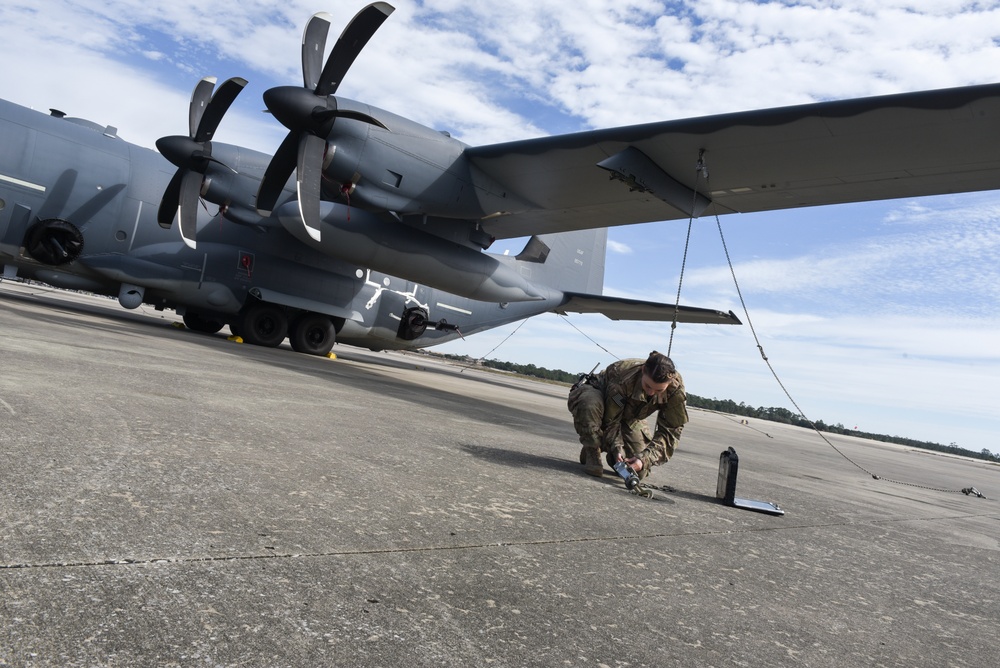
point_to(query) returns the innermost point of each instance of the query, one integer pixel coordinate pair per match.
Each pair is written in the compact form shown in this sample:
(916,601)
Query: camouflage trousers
(586,403)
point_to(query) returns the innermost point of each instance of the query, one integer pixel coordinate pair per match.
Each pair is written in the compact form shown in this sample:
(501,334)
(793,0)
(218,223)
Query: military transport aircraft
(369,229)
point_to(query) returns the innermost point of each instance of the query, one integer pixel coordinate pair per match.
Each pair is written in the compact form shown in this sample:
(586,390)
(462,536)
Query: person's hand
(635,463)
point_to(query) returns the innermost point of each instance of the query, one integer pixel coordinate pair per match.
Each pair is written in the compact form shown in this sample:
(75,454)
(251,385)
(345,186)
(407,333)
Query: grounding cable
(567,320)
(703,172)
(480,359)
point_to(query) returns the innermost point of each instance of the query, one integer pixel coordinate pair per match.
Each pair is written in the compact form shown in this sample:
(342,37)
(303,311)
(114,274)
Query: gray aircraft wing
(620,308)
(905,145)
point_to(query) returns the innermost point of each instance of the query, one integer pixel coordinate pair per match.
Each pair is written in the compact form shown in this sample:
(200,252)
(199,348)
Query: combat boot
(591,460)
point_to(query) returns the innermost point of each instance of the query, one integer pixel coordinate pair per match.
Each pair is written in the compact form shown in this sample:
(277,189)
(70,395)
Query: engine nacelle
(391,247)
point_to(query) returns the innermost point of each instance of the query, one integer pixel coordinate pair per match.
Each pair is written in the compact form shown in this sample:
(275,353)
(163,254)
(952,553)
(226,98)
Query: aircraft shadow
(320,368)
(399,388)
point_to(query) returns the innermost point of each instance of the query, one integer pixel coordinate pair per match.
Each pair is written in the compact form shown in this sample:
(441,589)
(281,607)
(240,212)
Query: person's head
(657,372)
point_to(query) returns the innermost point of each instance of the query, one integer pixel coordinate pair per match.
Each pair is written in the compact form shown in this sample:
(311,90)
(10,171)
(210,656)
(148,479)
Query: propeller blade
(313,46)
(217,108)
(192,154)
(170,201)
(349,45)
(190,191)
(308,119)
(309,174)
(200,97)
(276,175)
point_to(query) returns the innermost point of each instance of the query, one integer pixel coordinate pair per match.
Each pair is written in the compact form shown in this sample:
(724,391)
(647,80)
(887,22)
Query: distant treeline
(786,416)
(532,370)
(774,414)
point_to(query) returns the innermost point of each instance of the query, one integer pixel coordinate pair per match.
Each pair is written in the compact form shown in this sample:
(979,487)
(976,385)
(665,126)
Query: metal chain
(700,170)
(642,490)
(645,490)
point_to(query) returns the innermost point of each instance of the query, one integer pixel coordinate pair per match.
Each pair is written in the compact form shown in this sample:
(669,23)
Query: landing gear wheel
(263,324)
(312,334)
(199,323)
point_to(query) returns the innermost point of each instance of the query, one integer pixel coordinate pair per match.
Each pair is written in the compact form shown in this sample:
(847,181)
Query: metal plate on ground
(729,466)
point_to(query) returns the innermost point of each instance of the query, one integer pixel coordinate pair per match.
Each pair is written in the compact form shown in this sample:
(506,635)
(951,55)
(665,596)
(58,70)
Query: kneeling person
(609,411)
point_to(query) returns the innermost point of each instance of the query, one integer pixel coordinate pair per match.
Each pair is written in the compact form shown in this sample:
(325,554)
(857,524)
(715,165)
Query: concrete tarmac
(176,499)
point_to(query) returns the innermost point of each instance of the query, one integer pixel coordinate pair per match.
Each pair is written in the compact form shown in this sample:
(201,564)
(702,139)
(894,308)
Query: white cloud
(618,247)
(934,259)
(480,68)
(617,63)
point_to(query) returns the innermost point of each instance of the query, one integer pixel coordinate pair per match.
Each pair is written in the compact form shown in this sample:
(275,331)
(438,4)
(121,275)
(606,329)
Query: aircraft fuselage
(89,200)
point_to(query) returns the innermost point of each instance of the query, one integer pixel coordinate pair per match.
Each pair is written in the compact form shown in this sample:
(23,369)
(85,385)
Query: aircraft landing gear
(263,324)
(266,324)
(312,334)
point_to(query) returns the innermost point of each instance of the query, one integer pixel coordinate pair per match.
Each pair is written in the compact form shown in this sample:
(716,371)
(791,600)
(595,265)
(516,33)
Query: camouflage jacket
(625,405)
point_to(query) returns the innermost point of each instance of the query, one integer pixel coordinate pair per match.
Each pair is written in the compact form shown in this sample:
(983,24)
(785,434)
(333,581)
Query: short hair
(659,367)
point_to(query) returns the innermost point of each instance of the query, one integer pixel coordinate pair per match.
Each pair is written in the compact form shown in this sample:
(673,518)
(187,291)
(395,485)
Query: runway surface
(175,499)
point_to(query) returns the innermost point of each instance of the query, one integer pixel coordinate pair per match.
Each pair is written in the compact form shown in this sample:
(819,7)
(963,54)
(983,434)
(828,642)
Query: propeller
(193,153)
(309,112)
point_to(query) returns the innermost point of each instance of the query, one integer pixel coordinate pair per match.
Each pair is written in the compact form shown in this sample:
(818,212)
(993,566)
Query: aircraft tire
(312,334)
(263,324)
(199,323)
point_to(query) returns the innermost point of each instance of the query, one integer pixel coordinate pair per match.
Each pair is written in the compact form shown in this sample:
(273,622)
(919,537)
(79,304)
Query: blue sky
(882,316)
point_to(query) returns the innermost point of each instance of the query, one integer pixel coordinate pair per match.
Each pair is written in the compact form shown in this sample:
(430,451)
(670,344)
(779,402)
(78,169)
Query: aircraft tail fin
(567,261)
(573,262)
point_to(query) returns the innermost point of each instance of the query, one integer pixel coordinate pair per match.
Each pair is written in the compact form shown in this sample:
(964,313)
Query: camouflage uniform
(609,412)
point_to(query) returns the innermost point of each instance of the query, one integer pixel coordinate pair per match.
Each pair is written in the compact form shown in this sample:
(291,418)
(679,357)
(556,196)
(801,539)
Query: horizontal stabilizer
(619,308)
